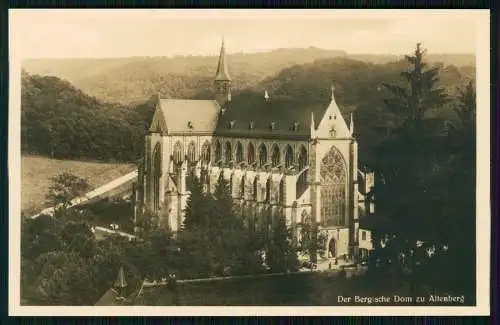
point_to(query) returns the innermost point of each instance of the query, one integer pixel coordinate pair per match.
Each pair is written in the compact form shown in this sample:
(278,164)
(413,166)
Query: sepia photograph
(236,162)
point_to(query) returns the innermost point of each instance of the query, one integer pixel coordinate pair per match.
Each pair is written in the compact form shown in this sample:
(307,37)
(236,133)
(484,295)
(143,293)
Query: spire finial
(266,95)
(222,70)
(333,92)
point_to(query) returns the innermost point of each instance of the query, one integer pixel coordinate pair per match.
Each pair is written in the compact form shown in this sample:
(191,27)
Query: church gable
(158,123)
(332,124)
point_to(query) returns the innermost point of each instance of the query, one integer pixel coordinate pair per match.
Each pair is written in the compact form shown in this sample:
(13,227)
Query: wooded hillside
(62,121)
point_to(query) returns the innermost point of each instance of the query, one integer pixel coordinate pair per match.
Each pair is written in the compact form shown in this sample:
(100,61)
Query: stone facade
(302,166)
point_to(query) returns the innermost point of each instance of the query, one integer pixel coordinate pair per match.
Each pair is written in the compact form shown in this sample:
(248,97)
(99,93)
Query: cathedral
(300,163)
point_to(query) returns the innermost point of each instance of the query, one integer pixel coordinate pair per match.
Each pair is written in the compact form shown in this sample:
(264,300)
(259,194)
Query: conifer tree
(281,254)
(195,211)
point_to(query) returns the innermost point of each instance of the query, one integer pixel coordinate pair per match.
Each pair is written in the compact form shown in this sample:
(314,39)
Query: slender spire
(222,71)
(333,92)
(266,95)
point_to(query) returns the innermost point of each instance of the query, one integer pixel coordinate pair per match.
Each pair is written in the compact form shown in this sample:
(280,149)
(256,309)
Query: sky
(123,33)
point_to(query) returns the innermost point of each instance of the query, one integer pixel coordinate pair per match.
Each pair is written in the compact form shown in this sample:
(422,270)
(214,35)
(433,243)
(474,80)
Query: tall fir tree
(281,253)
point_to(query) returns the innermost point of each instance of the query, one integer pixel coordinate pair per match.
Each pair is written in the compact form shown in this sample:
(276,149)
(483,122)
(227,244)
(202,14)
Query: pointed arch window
(268,190)
(333,188)
(289,157)
(262,155)
(242,187)
(255,188)
(231,185)
(178,153)
(281,194)
(276,157)
(157,172)
(251,153)
(218,151)
(191,152)
(205,152)
(302,158)
(228,153)
(302,179)
(239,152)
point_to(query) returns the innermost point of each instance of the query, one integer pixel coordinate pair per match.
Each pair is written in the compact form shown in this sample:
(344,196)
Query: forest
(423,227)
(61,121)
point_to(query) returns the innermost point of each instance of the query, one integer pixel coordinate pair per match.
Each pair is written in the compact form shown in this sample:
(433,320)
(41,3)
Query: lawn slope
(36,173)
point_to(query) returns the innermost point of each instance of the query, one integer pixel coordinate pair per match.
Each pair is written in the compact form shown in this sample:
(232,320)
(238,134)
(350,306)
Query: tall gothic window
(231,185)
(205,152)
(227,152)
(302,158)
(191,152)
(157,171)
(288,156)
(251,153)
(239,152)
(218,151)
(276,157)
(268,190)
(333,188)
(262,155)
(242,187)
(282,190)
(302,178)
(178,153)
(255,188)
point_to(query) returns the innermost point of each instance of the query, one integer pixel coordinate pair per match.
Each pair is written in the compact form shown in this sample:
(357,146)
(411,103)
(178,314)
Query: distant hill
(60,120)
(127,80)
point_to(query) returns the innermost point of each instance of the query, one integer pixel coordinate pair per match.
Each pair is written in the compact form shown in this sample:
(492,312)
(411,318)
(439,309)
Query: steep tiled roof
(254,116)
(188,115)
(222,71)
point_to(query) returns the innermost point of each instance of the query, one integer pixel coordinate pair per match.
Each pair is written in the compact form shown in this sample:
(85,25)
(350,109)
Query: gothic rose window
(333,188)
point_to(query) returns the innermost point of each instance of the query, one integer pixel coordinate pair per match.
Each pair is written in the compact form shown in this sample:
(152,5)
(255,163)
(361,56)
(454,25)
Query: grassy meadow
(36,173)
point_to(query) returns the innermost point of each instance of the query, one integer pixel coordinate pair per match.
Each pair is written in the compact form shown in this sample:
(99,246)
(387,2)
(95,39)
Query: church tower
(222,80)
